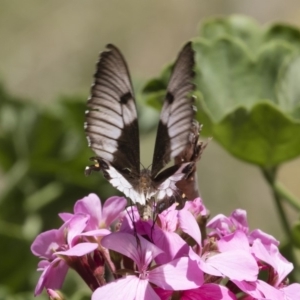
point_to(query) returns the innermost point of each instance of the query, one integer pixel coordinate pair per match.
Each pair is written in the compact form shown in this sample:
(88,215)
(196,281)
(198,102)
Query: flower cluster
(172,257)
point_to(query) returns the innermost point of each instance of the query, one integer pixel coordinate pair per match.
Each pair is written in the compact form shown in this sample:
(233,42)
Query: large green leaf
(263,135)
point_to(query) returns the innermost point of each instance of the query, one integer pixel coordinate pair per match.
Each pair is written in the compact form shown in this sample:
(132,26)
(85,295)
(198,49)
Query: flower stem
(286,195)
(279,193)
(270,175)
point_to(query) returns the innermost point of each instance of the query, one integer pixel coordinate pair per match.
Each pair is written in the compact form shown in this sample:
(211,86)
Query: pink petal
(145,291)
(141,252)
(46,242)
(249,288)
(189,225)
(259,290)
(203,266)
(260,251)
(269,291)
(209,269)
(52,277)
(239,218)
(265,238)
(168,219)
(238,264)
(43,264)
(131,213)
(196,207)
(65,216)
(273,257)
(170,242)
(224,225)
(163,294)
(79,249)
(292,292)
(221,224)
(91,206)
(233,241)
(75,227)
(179,274)
(116,290)
(209,291)
(112,208)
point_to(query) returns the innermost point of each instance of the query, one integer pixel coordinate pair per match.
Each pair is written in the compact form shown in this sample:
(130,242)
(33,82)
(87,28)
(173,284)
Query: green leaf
(228,77)
(263,135)
(155,99)
(160,83)
(288,88)
(283,33)
(243,29)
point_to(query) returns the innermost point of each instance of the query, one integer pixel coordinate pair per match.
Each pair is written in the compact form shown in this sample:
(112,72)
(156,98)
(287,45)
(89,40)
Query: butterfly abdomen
(146,187)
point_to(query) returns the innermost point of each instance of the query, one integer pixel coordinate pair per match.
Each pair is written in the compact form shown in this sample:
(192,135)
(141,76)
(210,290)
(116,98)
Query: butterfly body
(113,134)
(143,187)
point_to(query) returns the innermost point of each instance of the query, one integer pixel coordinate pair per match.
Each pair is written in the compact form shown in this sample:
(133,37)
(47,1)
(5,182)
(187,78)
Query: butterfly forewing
(111,123)
(177,113)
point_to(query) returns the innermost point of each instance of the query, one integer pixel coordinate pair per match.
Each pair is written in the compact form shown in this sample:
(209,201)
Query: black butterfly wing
(177,114)
(111,123)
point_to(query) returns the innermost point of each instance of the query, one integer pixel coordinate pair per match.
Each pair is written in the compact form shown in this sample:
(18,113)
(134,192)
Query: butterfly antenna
(134,226)
(152,228)
(142,165)
(154,218)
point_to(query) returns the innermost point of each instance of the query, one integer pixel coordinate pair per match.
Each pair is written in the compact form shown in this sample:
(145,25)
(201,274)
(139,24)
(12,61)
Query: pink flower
(126,221)
(278,267)
(196,207)
(99,218)
(223,225)
(232,258)
(157,261)
(54,246)
(165,235)
(179,274)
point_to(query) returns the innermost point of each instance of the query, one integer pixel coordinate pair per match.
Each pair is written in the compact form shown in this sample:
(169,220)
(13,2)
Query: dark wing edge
(111,122)
(177,115)
(188,186)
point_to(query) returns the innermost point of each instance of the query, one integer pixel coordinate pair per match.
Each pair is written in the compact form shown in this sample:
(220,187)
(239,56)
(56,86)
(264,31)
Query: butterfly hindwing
(111,123)
(120,181)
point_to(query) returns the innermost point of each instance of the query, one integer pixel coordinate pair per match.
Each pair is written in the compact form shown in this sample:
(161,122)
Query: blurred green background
(48,53)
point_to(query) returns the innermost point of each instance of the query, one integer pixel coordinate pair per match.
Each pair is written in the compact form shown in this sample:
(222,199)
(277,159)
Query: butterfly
(113,134)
